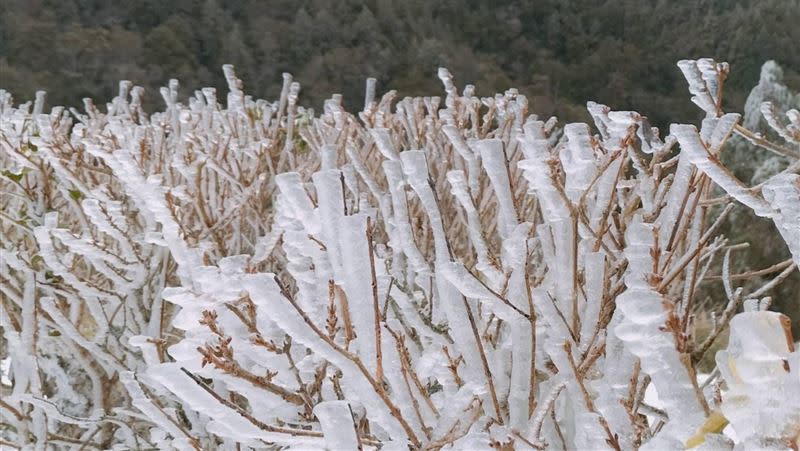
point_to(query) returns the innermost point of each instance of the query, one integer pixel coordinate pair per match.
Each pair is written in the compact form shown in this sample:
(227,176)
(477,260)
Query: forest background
(558,53)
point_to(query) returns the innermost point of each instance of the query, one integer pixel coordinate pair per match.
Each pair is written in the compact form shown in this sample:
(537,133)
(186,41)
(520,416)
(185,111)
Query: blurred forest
(559,53)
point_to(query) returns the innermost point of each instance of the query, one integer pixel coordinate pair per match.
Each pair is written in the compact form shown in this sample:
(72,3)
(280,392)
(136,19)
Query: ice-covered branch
(438,272)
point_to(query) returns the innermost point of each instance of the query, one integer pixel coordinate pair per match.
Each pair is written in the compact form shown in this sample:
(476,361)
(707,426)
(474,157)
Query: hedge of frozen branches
(430,273)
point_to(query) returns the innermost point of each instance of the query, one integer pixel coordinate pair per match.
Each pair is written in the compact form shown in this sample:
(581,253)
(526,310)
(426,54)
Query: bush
(446,273)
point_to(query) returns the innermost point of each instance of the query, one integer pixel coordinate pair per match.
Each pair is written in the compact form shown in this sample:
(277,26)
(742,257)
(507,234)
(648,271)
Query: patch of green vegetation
(15,177)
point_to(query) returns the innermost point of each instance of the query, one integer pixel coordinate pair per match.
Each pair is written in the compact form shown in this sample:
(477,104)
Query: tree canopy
(558,53)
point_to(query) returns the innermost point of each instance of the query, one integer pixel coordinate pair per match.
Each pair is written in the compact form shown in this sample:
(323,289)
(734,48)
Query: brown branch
(344,306)
(533,383)
(499,296)
(14,411)
(453,366)
(375,305)
(751,274)
(395,412)
(257,423)
(486,370)
(404,369)
(689,256)
(762,142)
(612,440)
(727,316)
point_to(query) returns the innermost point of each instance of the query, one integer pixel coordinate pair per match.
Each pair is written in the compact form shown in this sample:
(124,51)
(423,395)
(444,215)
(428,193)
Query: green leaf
(36,261)
(75,194)
(14,177)
(434,387)
(50,277)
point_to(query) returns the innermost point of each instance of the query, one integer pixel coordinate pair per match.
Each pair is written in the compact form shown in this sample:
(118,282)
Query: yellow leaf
(714,424)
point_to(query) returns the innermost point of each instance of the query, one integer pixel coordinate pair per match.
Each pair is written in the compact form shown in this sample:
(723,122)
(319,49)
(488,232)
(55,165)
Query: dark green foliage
(559,53)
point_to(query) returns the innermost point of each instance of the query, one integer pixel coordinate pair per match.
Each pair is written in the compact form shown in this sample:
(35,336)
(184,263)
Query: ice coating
(438,272)
(640,329)
(760,366)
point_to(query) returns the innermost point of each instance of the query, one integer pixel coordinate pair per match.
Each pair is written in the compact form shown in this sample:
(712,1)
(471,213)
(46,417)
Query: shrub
(448,272)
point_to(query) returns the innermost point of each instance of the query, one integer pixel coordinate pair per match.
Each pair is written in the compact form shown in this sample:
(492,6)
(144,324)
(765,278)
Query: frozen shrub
(430,273)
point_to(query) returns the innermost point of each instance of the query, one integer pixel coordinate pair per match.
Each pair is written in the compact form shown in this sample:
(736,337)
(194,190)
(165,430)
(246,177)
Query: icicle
(698,155)
(400,219)
(336,420)
(494,162)
(641,330)
(760,368)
